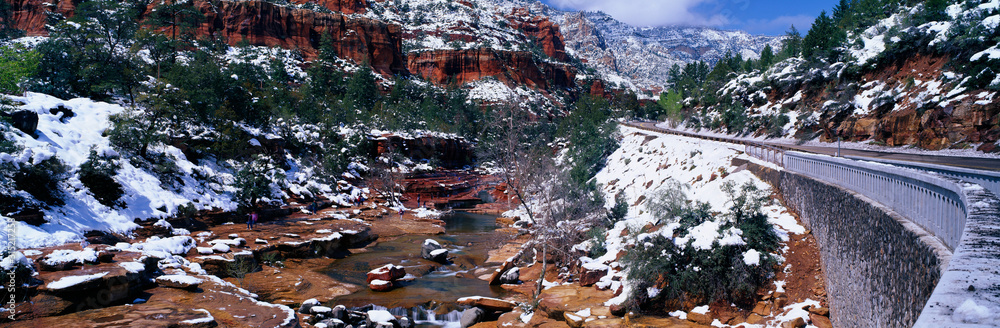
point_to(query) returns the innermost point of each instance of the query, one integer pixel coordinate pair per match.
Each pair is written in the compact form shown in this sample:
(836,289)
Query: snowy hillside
(200,184)
(912,78)
(647,162)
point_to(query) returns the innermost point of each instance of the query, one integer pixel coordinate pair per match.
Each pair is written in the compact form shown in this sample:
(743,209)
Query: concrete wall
(879,268)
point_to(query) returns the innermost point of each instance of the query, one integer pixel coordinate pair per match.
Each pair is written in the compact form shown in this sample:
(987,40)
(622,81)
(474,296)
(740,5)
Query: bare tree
(385,177)
(525,161)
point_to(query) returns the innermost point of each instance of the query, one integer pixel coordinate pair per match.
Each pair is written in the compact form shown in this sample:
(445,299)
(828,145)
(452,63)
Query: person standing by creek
(251,220)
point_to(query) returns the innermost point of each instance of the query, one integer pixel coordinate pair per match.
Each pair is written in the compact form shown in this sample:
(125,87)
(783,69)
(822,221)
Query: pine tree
(823,38)
(7,29)
(766,58)
(791,46)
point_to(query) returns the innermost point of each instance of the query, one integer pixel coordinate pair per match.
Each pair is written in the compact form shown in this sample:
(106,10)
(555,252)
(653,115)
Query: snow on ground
(70,281)
(71,140)
(646,161)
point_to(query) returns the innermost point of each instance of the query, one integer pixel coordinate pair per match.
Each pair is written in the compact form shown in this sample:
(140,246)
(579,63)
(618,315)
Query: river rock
(381,319)
(573,320)
(338,312)
(797,323)
(380,285)
(488,303)
(512,276)
(592,272)
(306,306)
(471,317)
(321,311)
(178,281)
(386,272)
(332,323)
(405,322)
(432,250)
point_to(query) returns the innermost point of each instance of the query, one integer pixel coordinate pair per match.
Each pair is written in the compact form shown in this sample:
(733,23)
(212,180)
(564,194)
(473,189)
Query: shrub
(97,174)
(16,65)
(42,180)
(685,273)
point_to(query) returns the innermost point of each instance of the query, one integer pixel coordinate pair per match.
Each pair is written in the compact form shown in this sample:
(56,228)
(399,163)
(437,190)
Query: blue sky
(754,16)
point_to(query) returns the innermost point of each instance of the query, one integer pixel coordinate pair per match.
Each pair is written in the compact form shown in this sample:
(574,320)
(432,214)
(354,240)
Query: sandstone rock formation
(511,67)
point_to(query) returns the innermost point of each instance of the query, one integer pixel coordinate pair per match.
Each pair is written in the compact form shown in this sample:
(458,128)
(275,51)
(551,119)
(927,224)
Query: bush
(42,180)
(97,174)
(16,65)
(685,273)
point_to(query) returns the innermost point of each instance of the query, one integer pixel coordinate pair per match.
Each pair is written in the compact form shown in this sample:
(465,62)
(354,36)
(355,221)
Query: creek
(428,297)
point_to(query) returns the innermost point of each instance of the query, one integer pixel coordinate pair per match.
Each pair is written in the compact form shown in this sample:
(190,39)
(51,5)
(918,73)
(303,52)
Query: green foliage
(791,46)
(767,58)
(671,104)
(589,130)
(618,211)
(186,211)
(97,174)
(361,91)
(253,183)
(823,38)
(88,55)
(17,64)
(689,274)
(776,124)
(41,180)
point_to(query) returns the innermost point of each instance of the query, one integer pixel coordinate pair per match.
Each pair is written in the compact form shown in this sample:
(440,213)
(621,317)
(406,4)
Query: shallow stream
(429,297)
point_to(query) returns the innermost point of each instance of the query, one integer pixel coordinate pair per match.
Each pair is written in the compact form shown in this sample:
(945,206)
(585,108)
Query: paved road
(978,163)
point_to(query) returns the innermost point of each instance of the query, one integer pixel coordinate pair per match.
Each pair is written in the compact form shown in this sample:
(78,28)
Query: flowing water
(429,297)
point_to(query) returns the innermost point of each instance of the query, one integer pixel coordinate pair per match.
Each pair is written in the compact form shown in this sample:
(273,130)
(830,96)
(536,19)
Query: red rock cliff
(267,24)
(545,32)
(344,6)
(510,67)
(264,23)
(31,15)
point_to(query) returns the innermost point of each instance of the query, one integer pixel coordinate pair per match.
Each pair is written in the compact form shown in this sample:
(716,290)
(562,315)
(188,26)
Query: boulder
(332,323)
(820,321)
(488,303)
(797,323)
(179,281)
(592,272)
(512,276)
(307,305)
(573,320)
(321,311)
(380,285)
(386,272)
(25,120)
(339,312)
(471,317)
(432,250)
(381,319)
(699,318)
(405,322)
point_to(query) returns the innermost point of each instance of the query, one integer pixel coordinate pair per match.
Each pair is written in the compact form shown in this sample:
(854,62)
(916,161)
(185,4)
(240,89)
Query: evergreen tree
(934,10)
(766,58)
(823,38)
(361,91)
(791,46)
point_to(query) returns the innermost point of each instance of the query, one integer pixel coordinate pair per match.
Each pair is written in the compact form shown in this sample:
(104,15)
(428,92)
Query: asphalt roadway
(978,163)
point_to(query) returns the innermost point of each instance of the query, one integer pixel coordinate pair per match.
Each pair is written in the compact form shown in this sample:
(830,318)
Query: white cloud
(649,13)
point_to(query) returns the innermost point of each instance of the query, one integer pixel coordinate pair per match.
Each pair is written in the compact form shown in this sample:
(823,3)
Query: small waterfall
(420,315)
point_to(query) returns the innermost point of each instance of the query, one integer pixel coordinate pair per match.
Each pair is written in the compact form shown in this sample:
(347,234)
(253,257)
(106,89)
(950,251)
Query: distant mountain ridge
(643,55)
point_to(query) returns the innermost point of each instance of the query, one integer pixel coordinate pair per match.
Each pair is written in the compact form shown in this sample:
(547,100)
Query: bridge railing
(934,203)
(765,153)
